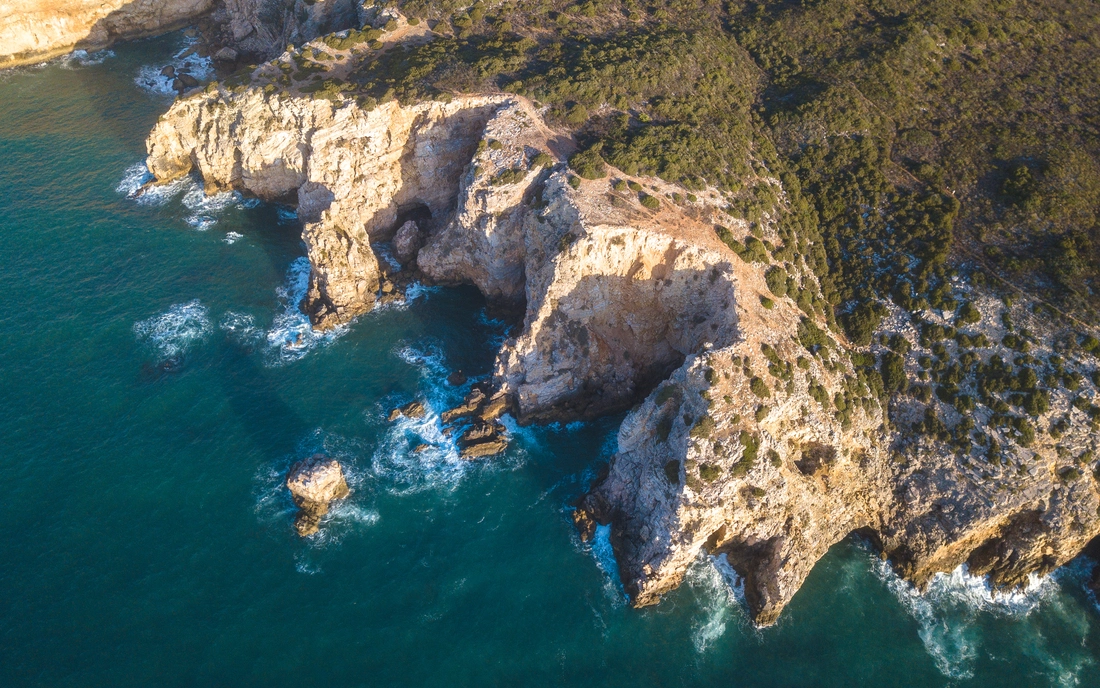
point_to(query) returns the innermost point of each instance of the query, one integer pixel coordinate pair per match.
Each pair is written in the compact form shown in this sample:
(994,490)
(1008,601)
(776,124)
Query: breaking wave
(720,594)
(203,210)
(416,454)
(175,331)
(186,61)
(946,611)
(82,58)
(292,336)
(604,554)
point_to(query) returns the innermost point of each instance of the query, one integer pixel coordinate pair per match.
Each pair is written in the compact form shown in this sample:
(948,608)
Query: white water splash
(291,335)
(946,611)
(82,58)
(177,330)
(232,237)
(604,554)
(437,464)
(186,60)
(203,210)
(720,593)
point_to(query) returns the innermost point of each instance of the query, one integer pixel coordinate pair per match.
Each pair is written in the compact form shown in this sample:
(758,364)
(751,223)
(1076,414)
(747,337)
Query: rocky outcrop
(754,433)
(36,30)
(314,483)
(353,172)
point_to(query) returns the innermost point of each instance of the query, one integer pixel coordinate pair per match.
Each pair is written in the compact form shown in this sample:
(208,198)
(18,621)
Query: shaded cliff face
(756,434)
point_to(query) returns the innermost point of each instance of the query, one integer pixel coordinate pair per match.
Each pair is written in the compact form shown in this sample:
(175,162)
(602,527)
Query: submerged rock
(456,379)
(314,483)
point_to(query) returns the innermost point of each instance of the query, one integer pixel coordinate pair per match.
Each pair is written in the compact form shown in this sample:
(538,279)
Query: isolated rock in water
(413,409)
(407,242)
(313,484)
(456,379)
(168,71)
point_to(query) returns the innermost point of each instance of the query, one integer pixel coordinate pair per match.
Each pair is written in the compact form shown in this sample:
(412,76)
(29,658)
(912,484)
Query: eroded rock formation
(36,30)
(314,483)
(753,435)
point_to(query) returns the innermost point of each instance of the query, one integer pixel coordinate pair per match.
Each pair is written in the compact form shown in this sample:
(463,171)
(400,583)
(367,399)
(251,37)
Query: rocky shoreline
(754,432)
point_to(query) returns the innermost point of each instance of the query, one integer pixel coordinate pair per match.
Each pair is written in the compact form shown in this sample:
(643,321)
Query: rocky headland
(754,431)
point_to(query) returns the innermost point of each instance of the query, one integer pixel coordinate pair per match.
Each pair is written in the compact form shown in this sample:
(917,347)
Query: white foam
(291,335)
(241,328)
(945,611)
(82,58)
(177,330)
(720,593)
(133,179)
(232,237)
(604,554)
(149,77)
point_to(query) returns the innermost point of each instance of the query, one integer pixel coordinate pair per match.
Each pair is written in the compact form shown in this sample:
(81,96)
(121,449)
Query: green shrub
(650,202)
(709,472)
(672,472)
(776,278)
(759,388)
(703,427)
(589,164)
(541,160)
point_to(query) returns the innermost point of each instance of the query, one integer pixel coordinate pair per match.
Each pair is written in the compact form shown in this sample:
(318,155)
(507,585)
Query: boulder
(586,527)
(313,484)
(226,54)
(413,409)
(188,81)
(169,72)
(407,242)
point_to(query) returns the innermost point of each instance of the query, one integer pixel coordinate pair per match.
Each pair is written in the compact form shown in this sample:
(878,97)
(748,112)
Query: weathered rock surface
(314,483)
(33,30)
(36,30)
(407,242)
(352,171)
(753,435)
(413,409)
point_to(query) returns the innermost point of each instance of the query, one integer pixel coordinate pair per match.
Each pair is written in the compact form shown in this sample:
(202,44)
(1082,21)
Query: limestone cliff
(36,30)
(755,432)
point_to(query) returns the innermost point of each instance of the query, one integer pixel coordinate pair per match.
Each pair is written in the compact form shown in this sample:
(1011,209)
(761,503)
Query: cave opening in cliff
(416,211)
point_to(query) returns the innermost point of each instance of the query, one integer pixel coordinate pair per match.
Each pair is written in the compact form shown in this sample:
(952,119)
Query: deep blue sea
(152,398)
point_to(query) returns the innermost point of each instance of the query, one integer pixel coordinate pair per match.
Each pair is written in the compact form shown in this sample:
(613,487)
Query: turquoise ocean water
(150,405)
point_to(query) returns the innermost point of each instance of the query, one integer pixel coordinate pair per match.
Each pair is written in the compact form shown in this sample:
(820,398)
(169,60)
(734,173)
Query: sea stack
(313,484)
